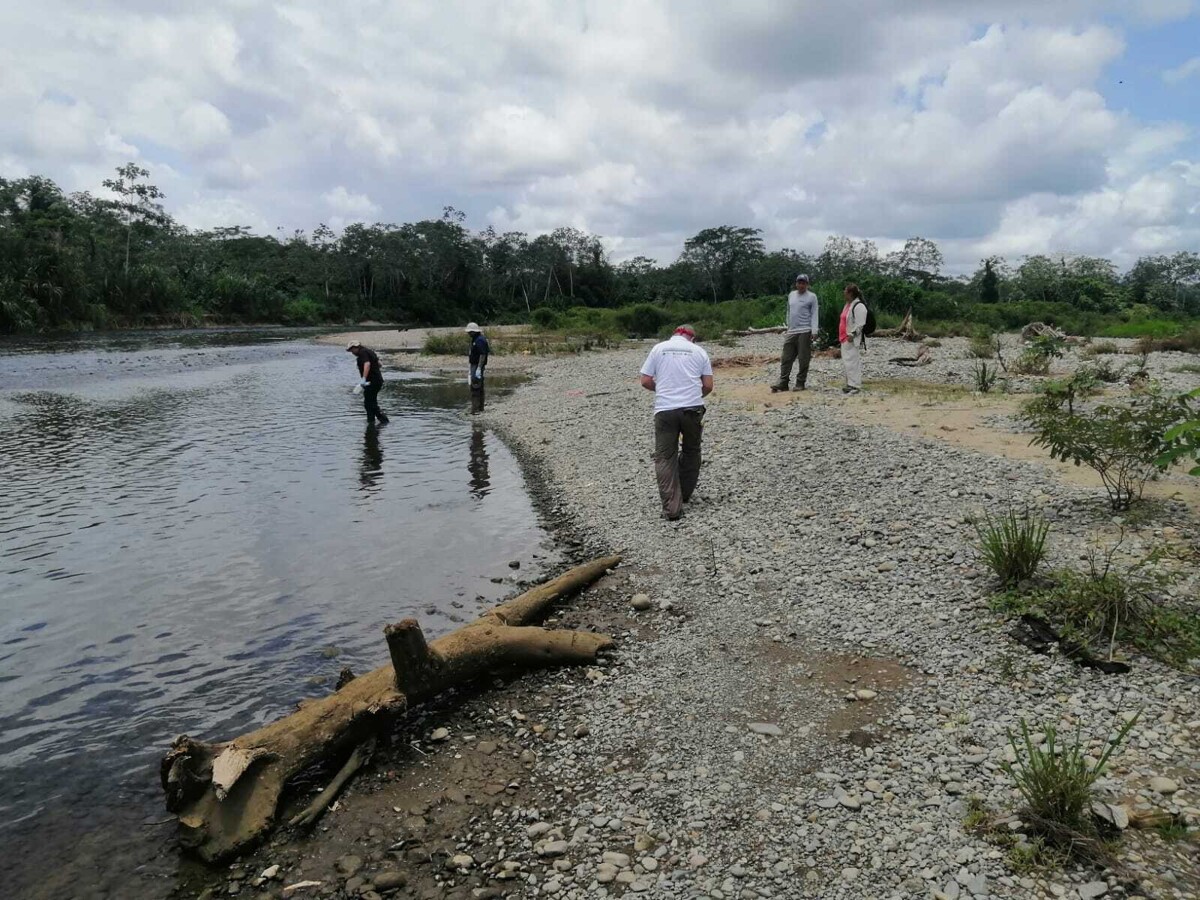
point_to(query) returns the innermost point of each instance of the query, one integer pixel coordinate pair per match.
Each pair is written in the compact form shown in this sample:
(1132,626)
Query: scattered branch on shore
(226,795)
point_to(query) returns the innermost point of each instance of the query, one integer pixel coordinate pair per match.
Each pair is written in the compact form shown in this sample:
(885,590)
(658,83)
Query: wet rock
(349,865)
(390,880)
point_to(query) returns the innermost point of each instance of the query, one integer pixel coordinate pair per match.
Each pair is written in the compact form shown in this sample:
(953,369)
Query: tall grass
(1056,778)
(1013,546)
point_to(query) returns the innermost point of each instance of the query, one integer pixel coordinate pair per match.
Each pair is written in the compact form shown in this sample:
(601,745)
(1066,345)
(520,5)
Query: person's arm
(648,382)
(649,368)
(366,370)
(706,385)
(815,310)
(858,318)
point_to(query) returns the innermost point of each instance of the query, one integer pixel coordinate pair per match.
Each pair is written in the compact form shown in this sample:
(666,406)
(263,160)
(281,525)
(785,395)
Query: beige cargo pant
(852,363)
(677,470)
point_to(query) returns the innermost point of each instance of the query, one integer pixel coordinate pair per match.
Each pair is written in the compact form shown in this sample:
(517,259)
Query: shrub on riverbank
(1122,442)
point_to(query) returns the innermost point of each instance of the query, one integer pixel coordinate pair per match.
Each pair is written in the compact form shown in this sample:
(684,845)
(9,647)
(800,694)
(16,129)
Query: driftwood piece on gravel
(774,329)
(226,795)
(905,332)
(1039,636)
(923,358)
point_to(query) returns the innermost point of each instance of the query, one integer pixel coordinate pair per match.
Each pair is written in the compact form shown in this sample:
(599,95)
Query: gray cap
(802,277)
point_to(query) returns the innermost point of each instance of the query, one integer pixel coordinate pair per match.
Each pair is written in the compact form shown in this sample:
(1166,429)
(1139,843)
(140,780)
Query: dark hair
(855,291)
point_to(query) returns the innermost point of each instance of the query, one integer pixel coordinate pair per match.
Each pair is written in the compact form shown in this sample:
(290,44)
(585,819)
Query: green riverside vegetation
(81,261)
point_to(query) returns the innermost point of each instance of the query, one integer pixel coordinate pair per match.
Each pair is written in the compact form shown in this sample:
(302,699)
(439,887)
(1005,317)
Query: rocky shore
(810,696)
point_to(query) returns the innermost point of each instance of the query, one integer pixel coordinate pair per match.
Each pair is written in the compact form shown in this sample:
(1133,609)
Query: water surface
(195,532)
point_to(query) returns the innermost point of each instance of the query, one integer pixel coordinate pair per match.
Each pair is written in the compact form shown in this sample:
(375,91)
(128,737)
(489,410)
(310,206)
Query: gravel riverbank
(809,693)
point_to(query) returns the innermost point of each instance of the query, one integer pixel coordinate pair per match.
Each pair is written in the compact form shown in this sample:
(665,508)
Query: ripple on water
(183,531)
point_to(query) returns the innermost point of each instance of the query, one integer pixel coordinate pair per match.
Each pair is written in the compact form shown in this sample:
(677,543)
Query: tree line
(70,261)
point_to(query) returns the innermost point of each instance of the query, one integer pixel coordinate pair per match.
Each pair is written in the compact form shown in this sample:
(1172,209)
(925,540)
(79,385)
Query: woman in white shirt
(850,333)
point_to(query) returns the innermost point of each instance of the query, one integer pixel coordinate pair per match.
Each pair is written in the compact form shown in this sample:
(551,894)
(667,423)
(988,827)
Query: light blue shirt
(802,312)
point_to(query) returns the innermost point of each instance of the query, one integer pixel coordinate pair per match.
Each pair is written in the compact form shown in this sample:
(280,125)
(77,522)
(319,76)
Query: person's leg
(666,461)
(689,458)
(789,357)
(852,363)
(371,403)
(804,353)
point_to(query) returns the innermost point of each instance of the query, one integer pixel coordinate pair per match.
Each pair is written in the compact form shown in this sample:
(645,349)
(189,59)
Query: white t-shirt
(676,365)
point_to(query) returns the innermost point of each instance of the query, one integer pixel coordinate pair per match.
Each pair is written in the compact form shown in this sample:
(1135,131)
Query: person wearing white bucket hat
(370,372)
(477,356)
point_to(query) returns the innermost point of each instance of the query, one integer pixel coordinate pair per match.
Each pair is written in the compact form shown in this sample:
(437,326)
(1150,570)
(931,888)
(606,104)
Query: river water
(196,531)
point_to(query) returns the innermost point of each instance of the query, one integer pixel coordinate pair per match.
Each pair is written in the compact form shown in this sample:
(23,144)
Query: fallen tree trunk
(904,332)
(226,795)
(775,329)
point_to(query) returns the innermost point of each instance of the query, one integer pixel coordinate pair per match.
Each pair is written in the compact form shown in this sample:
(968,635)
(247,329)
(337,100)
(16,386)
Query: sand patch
(944,412)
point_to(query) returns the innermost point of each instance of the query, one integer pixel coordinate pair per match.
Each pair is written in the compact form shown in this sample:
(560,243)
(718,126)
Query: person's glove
(364,383)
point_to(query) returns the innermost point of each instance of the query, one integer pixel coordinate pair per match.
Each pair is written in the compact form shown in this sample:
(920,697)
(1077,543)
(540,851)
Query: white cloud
(1189,69)
(980,123)
(347,203)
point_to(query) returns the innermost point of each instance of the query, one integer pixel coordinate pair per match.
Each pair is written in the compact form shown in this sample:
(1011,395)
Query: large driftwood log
(226,795)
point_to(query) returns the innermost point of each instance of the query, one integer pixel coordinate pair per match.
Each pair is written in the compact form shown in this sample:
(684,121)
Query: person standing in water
(477,356)
(371,373)
(801,332)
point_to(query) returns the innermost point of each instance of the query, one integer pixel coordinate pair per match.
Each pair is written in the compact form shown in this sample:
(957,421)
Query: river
(196,531)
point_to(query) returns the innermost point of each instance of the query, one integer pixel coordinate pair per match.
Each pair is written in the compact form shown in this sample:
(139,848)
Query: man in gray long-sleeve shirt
(801,330)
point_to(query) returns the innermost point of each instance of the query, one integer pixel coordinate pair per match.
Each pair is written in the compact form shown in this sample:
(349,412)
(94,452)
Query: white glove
(358,388)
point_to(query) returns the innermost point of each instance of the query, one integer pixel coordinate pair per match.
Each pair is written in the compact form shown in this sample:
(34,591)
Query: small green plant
(1105,607)
(978,818)
(1029,363)
(1104,371)
(982,345)
(1049,345)
(445,345)
(1031,856)
(1055,778)
(1121,442)
(1013,545)
(1183,439)
(985,377)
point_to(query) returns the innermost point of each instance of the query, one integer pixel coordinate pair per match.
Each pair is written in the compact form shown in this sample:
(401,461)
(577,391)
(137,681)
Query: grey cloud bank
(983,125)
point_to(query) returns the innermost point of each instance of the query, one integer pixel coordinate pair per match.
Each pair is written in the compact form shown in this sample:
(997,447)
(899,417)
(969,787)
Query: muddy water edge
(197,531)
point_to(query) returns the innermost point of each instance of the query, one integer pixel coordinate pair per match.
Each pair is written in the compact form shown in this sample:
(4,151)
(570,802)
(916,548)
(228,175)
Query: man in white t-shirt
(681,376)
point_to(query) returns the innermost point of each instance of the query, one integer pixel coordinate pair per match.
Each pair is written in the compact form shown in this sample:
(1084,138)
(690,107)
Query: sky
(1009,127)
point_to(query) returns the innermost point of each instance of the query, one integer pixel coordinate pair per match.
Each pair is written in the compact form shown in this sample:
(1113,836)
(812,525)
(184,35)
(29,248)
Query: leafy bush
(445,345)
(1100,348)
(1104,371)
(643,320)
(1013,546)
(1056,780)
(1029,363)
(1183,439)
(544,317)
(1187,342)
(985,377)
(302,311)
(1121,442)
(982,345)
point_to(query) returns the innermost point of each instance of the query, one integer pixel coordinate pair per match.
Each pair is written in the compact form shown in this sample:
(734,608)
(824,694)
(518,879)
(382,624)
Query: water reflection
(175,541)
(477,465)
(371,465)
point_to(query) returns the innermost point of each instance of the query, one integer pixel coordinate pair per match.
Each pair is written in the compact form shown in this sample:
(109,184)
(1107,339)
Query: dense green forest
(78,261)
